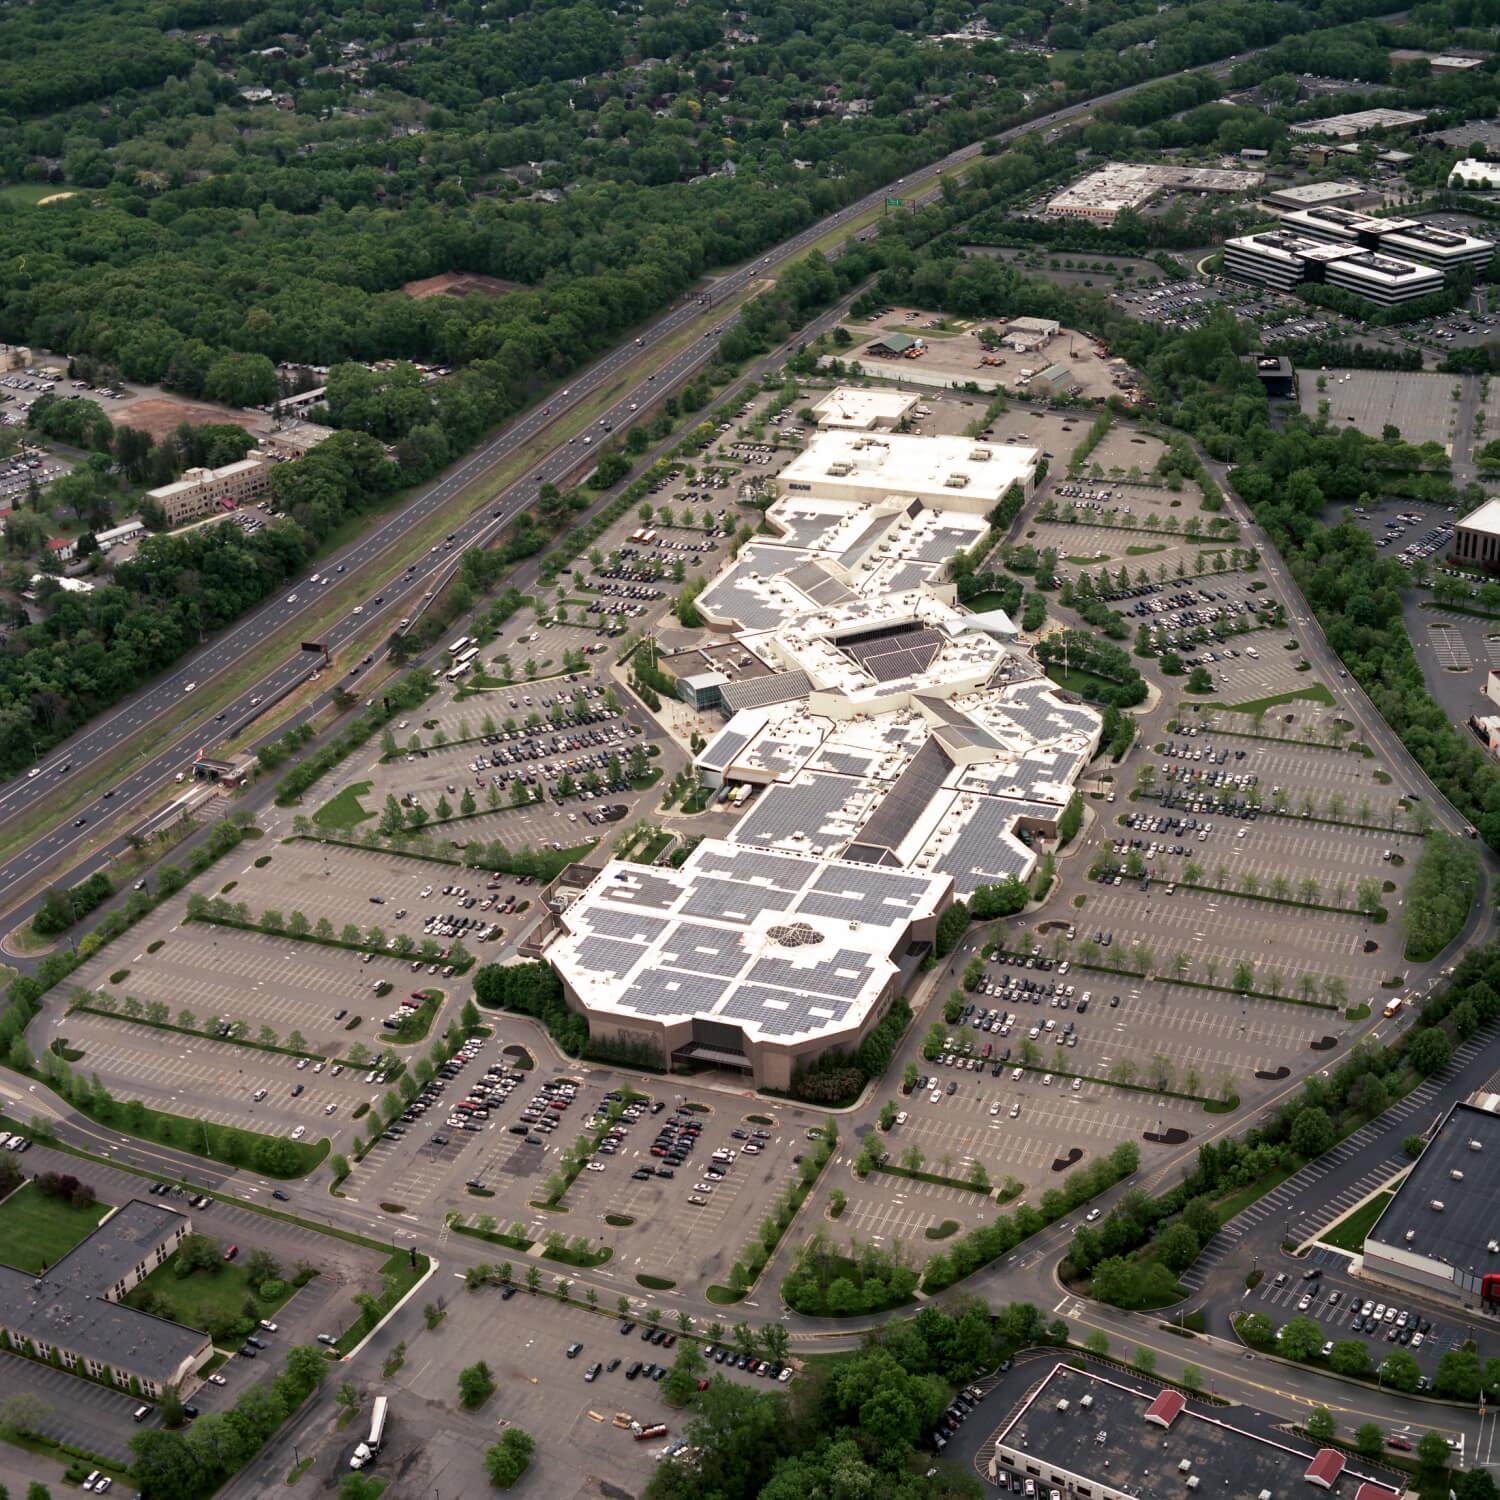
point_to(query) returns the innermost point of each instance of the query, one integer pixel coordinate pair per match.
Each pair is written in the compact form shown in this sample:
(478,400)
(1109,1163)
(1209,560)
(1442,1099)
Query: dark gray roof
(67,1306)
(1459,1236)
(762,692)
(906,801)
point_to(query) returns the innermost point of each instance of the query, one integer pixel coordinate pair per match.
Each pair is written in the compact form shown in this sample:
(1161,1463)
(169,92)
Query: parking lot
(1419,405)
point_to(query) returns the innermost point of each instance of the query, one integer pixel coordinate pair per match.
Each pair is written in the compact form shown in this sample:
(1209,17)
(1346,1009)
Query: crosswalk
(1304,1219)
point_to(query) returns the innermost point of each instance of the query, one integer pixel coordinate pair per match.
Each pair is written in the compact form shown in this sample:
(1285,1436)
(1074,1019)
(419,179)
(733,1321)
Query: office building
(1476,538)
(76,1309)
(201,492)
(1113,1438)
(1103,195)
(1283,259)
(1440,1233)
(1408,239)
(1478,176)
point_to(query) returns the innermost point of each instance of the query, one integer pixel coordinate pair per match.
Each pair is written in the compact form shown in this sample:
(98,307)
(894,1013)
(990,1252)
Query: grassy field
(36,1231)
(1088,685)
(28,194)
(1350,1234)
(210,1300)
(345,812)
(1314,692)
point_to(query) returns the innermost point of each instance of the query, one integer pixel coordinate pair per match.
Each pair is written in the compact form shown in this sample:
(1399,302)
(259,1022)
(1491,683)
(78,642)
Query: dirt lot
(459,284)
(159,415)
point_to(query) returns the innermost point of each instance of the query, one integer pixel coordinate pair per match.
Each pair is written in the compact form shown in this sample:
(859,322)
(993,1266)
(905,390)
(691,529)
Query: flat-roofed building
(743,959)
(127,532)
(1479,176)
(76,1309)
(1110,1437)
(1476,538)
(952,473)
(1026,335)
(1408,239)
(201,492)
(1105,193)
(1439,1233)
(1323,194)
(863,410)
(1284,259)
(1360,122)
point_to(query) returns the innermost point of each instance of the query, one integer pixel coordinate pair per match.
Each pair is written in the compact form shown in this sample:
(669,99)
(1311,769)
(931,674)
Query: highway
(395,586)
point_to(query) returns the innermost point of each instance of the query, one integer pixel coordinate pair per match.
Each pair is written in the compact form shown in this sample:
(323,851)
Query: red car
(1401,1444)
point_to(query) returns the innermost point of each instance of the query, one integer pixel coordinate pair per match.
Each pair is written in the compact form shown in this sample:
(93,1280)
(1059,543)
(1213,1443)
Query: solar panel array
(897,656)
(902,807)
(763,692)
(818,584)
(981,854)
(804,806)
(723,748)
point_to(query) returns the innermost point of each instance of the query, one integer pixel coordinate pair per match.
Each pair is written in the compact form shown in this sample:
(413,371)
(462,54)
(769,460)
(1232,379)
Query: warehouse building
(1360,122)
(201,492)
(1104,1438)
(1410,239)
(76,1310)
(1283,259)
(1476,538)
(1027,335)
(1478,176)
(1439,1232)
(1055,380)
(741,959)
(1103,195)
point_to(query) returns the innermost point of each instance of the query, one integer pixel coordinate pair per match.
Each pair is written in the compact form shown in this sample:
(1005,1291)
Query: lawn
(1088,685)
(1350,1234)
(209,1300)
(1315,692)
(36,1231)
(28,194)
(345,811)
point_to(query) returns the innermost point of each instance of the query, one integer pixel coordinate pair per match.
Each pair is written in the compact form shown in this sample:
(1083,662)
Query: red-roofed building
(1166,1408)
(62,547)
(1369,1491)
(1325,1469)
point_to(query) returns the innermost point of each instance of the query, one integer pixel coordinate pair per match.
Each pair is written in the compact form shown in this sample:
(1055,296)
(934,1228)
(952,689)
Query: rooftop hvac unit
(1183,1465)
(1476,1145)
(1192,1483)
(1062,1403)
(1456,1174)
(957,482)
(1085,1402)
(839,469)
(979,456)
(1493,1246)
(1436,1205)
(1410,1235)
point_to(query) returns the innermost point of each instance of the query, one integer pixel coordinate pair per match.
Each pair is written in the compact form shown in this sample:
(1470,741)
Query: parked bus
(1393,1007)
(371,1445)
(459,645)
(454,673)
(467,655)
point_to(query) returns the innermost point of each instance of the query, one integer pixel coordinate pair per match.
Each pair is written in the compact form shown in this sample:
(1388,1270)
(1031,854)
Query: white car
(901,1118)
(217,1380)
(329,1109)
(935,1096)
(299,1132)
(596,1166)
(994,1109)
(291,598)
(1091,1215)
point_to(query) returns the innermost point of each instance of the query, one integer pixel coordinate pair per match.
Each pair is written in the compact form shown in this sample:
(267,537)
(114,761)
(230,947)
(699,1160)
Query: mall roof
(1486,519)
(931,468)
(787,946)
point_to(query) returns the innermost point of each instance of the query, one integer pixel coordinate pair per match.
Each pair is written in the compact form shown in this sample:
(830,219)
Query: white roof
(943,470)
(849,406)
(1485,519)
(1485,173)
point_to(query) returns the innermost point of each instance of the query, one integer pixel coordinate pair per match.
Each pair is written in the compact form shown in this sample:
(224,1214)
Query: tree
(1320,1424)
(505,1462)
(1351,1357)
(1312,1132)
(1428,1050)
(475,1385)
(1432,1451)
(1400,1371)
(1369,1439)
(1300,1338)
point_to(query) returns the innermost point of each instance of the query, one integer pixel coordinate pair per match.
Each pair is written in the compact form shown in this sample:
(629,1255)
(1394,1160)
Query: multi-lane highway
(395,586)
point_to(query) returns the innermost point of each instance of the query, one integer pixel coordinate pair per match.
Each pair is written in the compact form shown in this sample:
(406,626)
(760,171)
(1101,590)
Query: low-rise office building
(1360,122)
(76,1309)
(200,492)
(1322,195)
(858,409)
